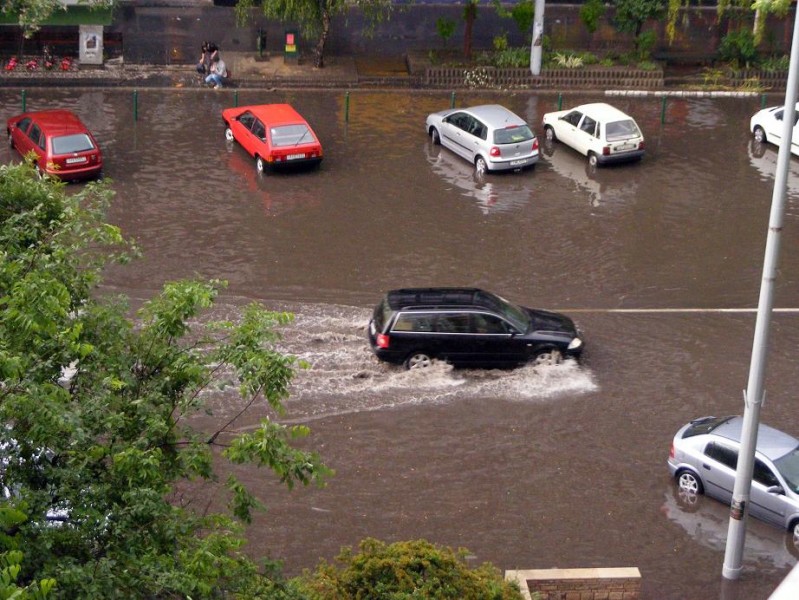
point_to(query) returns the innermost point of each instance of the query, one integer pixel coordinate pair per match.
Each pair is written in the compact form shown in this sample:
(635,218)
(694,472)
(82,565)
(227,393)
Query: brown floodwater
(564,466)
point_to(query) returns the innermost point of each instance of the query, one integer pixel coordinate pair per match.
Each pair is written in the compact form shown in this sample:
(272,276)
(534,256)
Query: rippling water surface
(532,468)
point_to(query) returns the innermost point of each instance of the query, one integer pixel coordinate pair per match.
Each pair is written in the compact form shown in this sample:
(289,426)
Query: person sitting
(218,72)
(204,62)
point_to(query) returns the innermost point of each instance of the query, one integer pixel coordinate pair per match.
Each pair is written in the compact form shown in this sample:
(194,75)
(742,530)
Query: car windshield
(788,466)
(513,135)
(515,314)
(77,142)
(290,135)
(621,130)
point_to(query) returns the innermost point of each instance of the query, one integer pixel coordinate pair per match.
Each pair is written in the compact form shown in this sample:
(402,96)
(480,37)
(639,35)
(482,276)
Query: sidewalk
(248,70)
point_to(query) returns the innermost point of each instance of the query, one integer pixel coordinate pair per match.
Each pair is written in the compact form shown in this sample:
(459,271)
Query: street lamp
(754,394)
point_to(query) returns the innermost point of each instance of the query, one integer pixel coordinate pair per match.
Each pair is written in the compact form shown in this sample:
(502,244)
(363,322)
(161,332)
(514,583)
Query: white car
(490,136)
(599,131)
(766,126)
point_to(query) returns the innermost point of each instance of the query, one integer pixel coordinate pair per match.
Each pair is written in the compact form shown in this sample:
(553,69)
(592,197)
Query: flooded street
(542,467)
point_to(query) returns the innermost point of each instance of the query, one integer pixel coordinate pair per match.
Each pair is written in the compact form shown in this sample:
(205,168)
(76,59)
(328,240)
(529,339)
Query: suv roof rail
(433,297)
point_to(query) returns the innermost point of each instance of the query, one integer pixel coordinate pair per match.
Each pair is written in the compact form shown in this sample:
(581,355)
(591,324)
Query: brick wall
(579,584)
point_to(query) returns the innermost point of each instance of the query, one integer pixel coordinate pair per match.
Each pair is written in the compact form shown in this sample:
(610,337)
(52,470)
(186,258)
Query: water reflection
(494,192)
(707,522)
(589,179)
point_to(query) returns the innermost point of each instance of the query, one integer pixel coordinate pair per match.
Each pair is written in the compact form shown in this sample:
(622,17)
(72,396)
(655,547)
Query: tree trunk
(469,15)
(319,58)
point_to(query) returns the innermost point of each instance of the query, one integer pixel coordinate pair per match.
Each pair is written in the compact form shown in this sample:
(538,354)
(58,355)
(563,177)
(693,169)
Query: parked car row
(495,139)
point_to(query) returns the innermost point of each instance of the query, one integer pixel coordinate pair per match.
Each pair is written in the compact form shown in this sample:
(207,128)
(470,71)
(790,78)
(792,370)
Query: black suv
(467,327)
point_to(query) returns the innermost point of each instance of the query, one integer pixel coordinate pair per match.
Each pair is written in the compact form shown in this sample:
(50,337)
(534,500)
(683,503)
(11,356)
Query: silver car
(490,137)
(704,456)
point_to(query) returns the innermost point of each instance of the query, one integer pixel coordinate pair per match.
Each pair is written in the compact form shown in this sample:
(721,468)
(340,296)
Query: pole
(347,107)
(452,100)
(135,105)
(754,394)
(24,100)
(536,46)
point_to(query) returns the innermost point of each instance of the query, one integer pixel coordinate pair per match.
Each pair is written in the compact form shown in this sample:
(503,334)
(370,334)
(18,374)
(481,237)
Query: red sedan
(275,135)
(62,145)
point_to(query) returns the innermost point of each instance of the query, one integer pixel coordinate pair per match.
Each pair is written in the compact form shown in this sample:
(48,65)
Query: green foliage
(115,448)
(776,64)
(32,13)
(405,570)
(521,12)
(501,42)
(631,15)
(644,44)
(10,569)
(738,48)
(567,61)
(445,28)
(591,13)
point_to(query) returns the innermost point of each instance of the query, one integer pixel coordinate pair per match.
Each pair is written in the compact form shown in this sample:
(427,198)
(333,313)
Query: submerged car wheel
(551,356)
(760,135)
(550,133)
(592,159)
(418,360)
(259,164)
(434,135)
(792,539)
(480,165)
(689,482)
(229,134)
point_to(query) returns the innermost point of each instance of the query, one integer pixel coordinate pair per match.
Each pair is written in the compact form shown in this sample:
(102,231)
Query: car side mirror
(776,489)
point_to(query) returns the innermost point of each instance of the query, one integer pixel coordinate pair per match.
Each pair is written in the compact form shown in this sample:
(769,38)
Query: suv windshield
(788,466)
(510,311)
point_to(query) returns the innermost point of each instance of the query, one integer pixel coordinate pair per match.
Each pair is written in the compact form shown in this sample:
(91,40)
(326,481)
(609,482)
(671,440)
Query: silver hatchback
(704,456)
(489,136)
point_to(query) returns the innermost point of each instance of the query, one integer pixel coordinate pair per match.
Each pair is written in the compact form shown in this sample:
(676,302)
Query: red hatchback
(275,135)
(62,144)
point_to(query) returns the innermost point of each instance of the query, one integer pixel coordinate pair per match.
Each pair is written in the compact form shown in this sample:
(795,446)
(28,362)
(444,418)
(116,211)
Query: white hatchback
(766,125)
(600,131)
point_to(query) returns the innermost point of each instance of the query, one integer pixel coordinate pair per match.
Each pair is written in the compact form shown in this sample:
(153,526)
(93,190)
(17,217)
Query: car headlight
(575,343)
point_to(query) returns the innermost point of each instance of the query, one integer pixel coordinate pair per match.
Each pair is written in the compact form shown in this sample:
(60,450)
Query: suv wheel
(689,482)
(550,356)
(792,539)
(418,360)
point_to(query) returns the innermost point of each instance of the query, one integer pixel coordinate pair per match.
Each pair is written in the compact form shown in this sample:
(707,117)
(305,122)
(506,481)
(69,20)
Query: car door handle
(705,466)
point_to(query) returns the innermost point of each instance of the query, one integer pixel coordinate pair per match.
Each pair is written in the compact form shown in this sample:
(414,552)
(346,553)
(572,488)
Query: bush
(414,569)
(590,14)
(738,48)
(644,44)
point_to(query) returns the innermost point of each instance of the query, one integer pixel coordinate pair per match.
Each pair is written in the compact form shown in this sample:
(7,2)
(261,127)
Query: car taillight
(535,143)
(671,452)
(494,151)
(382,341)
(641,145)
(605,150)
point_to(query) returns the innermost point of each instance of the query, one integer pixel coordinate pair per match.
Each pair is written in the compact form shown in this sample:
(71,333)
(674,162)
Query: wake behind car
(704,456)
(275,135)
(490,136)
(62,146)
(599,131)
(467,327)
(766,126)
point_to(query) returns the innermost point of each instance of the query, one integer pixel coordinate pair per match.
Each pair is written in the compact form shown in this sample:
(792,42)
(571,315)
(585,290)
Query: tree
(314,17)
(32,13)
(103,456)
(415,569)
(631,15)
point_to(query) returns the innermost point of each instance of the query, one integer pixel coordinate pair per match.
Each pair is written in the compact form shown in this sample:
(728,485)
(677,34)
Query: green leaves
(101,413)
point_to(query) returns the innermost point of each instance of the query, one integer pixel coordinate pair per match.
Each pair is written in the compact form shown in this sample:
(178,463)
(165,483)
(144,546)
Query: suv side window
(453,323)
(762,474)
(723,454)
(483,323)
(412,322)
